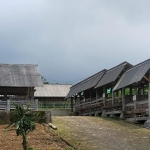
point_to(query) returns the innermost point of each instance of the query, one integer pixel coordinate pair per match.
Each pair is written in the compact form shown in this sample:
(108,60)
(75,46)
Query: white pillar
(8,105)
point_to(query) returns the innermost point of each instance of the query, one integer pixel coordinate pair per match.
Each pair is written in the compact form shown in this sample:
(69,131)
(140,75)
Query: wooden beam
(146,78)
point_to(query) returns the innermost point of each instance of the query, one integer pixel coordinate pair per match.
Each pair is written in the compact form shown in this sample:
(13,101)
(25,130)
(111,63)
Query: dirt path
(93,133)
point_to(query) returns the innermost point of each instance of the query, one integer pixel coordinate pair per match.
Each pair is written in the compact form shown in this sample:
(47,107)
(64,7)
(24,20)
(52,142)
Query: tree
(22,122)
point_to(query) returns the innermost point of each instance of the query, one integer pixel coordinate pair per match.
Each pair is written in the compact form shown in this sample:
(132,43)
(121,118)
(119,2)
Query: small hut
(52,95)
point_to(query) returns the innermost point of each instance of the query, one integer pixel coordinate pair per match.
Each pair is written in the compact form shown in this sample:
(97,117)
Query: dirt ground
(43,138)
(95,133)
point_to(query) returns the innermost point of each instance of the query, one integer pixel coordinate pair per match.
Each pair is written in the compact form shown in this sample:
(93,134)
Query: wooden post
(32,93)
(135,100)
(79,98)
(97,94)
(130,90)
(104,95)
(90,96)
(123,99)
(71,104)
(5,97)
(113,97)
(36,104)
(122,115)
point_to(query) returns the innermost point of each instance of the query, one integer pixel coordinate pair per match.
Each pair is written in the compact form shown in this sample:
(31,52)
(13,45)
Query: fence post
(8,105)
(36,104)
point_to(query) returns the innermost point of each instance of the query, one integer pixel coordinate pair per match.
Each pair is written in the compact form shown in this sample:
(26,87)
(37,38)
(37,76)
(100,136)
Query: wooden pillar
(77,101)
(97,94)
(116,93)
(71,104)
(130,90)
(104,95)
(5,97)
(135,99)
(36,105)
(90,96)
(79,98)
(32,93)
(149,94)
(142,91)
(113,97)
(123,99)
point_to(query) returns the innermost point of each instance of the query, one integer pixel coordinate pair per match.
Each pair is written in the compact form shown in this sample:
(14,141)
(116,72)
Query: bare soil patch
(95,133)
(43,138)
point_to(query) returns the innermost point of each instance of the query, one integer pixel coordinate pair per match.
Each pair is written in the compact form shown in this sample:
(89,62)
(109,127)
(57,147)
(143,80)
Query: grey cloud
(71,40)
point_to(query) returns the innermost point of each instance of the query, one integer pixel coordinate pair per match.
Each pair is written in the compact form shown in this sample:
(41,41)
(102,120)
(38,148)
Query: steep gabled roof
(86,84)
(112,74)
(19,75)
(133,75)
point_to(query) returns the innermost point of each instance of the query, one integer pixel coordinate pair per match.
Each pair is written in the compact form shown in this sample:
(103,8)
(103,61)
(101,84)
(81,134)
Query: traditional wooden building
(110,102)
(83,93)
(17,83)
(135,87)
(94,95)
(123,90)
(51,94)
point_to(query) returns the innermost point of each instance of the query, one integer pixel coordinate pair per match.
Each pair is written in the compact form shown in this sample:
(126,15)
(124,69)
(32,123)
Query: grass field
(95,133)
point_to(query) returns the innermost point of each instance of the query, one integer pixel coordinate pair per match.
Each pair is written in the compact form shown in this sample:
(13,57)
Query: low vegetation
(23,122)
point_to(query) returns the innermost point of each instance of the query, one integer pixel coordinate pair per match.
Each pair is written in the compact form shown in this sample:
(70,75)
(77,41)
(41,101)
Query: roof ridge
(123,63)
(89,78)
(138,64)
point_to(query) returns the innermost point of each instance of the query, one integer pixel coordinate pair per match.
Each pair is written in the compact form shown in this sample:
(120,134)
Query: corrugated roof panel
(112,74)
(133,75)
(52,90)
(20,75)
(86,84)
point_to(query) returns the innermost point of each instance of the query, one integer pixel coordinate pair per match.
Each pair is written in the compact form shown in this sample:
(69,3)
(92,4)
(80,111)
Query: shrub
(22,122)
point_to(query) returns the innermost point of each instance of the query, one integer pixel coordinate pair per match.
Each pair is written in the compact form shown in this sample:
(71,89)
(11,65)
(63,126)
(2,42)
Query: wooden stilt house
(83,93)
(111,103)
(135,87)
(17,83)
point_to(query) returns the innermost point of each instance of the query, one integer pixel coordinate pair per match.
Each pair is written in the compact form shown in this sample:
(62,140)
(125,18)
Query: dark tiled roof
(86,84)
(112,74)
(133,75)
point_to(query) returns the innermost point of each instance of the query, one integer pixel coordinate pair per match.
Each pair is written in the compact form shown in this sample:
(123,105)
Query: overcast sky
(74,39)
